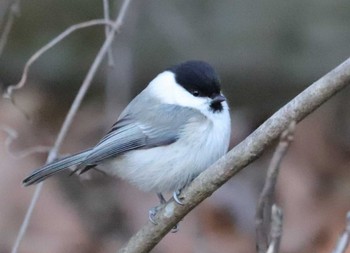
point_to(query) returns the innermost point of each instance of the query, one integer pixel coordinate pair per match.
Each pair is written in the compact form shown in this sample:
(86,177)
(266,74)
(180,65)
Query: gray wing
(160,125)
(52,168)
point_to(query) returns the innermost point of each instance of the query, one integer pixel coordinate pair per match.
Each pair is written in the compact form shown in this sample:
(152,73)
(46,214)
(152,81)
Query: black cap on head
(198,78)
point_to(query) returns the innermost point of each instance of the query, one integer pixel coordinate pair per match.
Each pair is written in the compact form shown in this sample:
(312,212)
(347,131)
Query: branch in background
(276,229)
(239,157)
(343,241)
(116,26)
(13,135)
(107,30)
(14,10)
(120,78)
(266,199)
(9,92)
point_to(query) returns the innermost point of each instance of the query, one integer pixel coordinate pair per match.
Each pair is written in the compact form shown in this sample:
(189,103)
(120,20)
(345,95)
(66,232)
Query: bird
(166,136)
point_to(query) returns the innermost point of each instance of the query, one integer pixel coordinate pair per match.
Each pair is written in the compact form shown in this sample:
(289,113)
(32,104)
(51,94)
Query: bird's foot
(177,198)
(175,229)
(152,214)
(153,211)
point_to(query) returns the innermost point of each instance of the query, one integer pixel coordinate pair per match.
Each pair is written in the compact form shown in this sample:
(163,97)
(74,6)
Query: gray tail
(52,168)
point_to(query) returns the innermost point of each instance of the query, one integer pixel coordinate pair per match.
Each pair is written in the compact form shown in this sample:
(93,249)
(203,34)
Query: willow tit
(173,130)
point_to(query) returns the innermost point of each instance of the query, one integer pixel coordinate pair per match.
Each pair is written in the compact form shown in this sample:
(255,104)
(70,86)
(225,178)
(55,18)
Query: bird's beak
(218,99)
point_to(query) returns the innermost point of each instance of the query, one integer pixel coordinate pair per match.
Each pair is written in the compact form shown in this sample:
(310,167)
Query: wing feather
(137,130)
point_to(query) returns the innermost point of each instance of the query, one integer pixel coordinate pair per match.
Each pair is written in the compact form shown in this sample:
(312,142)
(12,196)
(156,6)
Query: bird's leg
(176,196)
(161,198)
(154,210)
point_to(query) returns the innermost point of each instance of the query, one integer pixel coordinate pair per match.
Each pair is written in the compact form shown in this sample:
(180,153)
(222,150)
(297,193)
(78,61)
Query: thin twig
(343,241)
(117,24)
(91,73)
(13,12)
(240,156)
(276,229)
(13,135)
(9,92)
(25,223)
(266,199)
(107,30)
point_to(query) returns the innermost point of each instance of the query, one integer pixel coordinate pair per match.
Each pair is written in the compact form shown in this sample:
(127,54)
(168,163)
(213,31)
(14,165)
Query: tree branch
(239,157)
(266,199)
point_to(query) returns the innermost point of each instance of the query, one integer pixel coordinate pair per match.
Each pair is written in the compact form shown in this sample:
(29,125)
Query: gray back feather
(140,127)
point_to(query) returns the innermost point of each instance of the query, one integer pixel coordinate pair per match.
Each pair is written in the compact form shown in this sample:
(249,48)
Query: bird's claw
(175,228)
(176,196)
(152,214)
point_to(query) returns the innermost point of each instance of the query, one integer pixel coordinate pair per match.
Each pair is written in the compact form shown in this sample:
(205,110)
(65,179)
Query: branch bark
(239,157)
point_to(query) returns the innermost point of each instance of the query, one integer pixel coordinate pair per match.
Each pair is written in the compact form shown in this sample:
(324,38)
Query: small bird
(168,134)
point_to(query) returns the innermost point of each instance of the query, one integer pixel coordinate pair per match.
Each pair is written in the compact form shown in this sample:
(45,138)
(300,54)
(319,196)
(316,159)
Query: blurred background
(266,52)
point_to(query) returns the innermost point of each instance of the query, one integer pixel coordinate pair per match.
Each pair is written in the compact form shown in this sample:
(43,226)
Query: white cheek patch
(165,88)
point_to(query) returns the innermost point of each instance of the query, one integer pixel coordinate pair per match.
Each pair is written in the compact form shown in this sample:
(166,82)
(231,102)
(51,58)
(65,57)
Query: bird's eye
(195,93)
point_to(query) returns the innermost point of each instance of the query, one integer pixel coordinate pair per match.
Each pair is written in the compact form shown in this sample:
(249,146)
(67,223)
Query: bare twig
(11,136)
(266,199)
(87,81)
(119,79)
(12,13)
(30,151)
(276,229)
(20,110)
(9,92)
(240,156)
(343,241)
(116,26)
(25,223)
(107,30)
